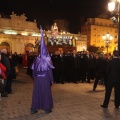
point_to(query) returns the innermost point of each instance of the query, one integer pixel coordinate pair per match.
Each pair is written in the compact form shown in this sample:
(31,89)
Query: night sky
(45,11)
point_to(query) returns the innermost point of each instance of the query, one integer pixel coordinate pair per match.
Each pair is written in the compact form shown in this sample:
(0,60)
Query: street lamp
(107,39)
(114,8)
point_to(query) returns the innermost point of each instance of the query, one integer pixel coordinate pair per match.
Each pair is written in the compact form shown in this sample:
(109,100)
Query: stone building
(95,28)
(19,35)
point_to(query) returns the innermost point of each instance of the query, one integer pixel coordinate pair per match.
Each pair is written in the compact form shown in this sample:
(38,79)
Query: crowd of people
(75,67)
(79,67)
(8,65)
(7,72)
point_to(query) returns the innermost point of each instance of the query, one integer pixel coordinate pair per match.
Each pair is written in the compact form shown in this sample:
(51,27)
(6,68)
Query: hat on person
(43,60)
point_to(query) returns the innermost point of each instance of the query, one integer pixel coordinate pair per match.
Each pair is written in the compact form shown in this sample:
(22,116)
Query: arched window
(29,47)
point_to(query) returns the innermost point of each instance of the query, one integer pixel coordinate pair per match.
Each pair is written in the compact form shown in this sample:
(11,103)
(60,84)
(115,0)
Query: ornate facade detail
(21,34)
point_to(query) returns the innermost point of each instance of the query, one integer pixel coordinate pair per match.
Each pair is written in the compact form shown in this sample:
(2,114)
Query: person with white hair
(4,51)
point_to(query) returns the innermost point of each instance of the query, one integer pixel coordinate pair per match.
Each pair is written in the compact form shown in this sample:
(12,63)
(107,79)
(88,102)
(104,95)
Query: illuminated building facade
(19,35)
(95,28)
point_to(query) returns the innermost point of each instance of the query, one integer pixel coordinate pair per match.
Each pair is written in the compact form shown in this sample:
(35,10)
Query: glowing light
(111,6)
(24,34)
(35,34)
(10,32)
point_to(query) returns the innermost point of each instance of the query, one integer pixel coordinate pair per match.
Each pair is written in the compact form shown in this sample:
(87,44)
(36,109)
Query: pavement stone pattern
(71,102)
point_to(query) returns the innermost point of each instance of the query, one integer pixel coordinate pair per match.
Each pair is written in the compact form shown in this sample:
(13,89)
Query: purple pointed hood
(43,61)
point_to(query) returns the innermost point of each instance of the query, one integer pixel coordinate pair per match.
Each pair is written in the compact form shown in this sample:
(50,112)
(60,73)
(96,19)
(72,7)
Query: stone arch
(5,45)
(29,47)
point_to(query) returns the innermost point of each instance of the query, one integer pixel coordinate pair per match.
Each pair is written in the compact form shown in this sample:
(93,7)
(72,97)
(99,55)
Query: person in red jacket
(3,70)
(3,76)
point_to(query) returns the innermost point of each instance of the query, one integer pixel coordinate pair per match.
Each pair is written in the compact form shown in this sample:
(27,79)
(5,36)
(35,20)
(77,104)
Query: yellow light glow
(118,0)
(24,34)
(35,34)
(103,37)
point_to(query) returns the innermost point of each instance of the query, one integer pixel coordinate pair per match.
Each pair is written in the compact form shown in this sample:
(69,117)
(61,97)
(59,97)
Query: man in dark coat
(113,80)
(11,76)
(68,65)
(55,60)
(83,66)
(100,69)
(74,68)
(61,68)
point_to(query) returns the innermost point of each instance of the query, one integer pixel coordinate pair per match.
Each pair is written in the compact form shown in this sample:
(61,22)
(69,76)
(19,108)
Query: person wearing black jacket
(113,80)
(100,69)
(11,76)
(58,62)
(74,68)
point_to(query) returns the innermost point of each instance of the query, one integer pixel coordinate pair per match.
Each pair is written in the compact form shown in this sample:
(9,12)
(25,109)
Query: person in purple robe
(43,79)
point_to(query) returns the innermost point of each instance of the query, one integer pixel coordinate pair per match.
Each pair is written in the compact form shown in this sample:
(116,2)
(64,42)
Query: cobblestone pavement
(71,102)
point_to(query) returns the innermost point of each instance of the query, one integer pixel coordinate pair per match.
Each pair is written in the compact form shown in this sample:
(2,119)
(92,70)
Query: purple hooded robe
(43,79)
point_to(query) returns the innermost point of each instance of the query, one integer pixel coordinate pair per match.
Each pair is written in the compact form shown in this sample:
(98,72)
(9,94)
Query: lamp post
(107,39)
(114,8)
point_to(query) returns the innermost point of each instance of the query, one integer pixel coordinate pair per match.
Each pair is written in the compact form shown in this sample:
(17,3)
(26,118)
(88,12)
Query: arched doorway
(5,45)
(29,48)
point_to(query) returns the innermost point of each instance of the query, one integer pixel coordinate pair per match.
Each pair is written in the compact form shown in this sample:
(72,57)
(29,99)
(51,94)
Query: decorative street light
(107,39)
(114,8)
